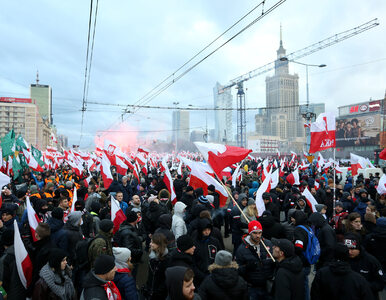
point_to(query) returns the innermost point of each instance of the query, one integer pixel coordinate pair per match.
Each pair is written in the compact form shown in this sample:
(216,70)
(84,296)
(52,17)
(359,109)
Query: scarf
(63,290)
(112,291)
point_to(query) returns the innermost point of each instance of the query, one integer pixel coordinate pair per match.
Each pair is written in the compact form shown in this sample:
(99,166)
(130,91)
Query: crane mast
(239,81)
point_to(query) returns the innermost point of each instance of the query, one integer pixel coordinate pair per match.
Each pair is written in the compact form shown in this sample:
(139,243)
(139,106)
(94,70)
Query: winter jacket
(348,204)
(337,281)
(255,186)
(93,288)
(155,284)
(74,235)
(370,268)
(326,237)
(375,242)
(128,237)
(100,245)
(271,228)
(289,283)
(9,275)
(164,227)
(58,234)
(224,283)
(301,236)
(274,209)
(361,209)
(237,226)
(178,224)
(93,197)
(255,269)
(151,216)
(126,284)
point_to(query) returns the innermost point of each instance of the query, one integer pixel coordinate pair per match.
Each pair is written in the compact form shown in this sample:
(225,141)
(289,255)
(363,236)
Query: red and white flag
(33,219)
(22,259)
(381,188)
(235,175)
(121,166)
(201,178)
(221,156)
(357,162)
(53,138)
(264,187)
(106,171)
(310,199)
(117,215)
(293,178)
(74,199)
(323,132)
(274,179)
(143,150)
(169,182)
(31,161)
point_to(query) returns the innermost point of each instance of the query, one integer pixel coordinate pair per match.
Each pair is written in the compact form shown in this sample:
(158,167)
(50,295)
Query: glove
(251,265)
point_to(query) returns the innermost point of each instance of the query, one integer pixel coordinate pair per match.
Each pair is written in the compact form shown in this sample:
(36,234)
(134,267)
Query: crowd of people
(193,248)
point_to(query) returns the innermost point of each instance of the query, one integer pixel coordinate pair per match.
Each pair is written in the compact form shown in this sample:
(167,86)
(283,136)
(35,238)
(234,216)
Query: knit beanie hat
(57,213)
(106,225)
(103,264)
(203,200)
(319,207)
(56,258)
(223,258)
(254,226)
(131,216)
(352,241)
(251,201)
(185,242)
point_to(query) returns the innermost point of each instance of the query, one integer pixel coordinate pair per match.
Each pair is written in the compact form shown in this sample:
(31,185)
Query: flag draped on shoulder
(221,156)
(323,132)
(22,259)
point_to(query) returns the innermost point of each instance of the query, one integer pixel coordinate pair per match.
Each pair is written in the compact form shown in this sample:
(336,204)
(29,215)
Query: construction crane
(239,81)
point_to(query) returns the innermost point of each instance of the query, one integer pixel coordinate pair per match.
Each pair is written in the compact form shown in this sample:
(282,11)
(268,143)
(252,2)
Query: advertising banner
(359,130)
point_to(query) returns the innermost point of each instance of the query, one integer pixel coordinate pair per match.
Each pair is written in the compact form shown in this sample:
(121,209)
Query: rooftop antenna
(37,77)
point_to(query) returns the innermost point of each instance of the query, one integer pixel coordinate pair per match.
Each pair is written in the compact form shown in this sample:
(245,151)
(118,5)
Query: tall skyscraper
(222,118)
(41,94)
(181,125)
(282,97)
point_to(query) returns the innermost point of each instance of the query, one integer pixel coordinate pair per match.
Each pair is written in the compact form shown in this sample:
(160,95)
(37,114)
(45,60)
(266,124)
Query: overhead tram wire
(159,91)
(202,50)
(84,104)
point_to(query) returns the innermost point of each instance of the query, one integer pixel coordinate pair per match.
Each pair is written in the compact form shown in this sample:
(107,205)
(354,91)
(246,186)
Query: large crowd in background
(195,249)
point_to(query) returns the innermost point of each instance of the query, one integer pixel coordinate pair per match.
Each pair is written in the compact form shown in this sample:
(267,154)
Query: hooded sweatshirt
(178,223)
(174,283)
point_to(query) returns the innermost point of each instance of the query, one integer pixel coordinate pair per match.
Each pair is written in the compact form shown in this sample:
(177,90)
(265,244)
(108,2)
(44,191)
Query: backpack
(81,249)
(312,252)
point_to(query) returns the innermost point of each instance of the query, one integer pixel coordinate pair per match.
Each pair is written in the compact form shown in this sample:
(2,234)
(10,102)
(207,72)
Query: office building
(180,126)
(41,94)
(222,118)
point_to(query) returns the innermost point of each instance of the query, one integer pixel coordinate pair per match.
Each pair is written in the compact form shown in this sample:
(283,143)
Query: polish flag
(357,162)
(303,166)
(274,179)
(310,199)
(31,161)
(179,169)
(136,171)
(278,153)
(293,178)
(221,156)
(117,215)
(144,168)
(143,150)
(53,138)
(23,262)
(264,187)
(106,171)
(320,162)
(226,172)
(169,182)
(235,175)
(316,185)
(282,165)
(110,149)
(33,219)
(293,157)
(140,159)
(74,199)
(77,167)
(121,166)
(323,132)
(199,177)
(381,188)
(4,180)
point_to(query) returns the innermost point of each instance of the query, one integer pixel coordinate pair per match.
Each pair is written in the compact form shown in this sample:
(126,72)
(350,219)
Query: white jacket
(178,223)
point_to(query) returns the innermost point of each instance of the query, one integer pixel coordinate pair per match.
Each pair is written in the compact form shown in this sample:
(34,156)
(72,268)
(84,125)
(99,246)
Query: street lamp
(307,115)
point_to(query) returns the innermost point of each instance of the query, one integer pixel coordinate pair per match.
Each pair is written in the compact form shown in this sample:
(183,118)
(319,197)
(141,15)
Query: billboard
(15,100)
(358,130)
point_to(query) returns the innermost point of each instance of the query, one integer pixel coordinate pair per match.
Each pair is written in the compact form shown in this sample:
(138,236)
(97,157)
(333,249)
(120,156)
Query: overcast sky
(139,43)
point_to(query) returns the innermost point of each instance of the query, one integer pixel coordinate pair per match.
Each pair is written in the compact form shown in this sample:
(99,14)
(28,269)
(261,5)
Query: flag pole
(334,197)
(246,218)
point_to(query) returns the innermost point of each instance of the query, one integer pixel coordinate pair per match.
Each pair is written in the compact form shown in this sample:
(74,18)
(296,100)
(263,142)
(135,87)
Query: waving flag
(106,172)
(221,156)
(310,199)
(293,178)
(235,175)
(357,162)
(169,182)
(264,187)
(323,132)
(22,259)
(117,215)
(31,161)
(74,199)
(381,188)
(33,219)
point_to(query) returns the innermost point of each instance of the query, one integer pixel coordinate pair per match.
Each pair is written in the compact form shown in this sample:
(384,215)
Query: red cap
(254,226)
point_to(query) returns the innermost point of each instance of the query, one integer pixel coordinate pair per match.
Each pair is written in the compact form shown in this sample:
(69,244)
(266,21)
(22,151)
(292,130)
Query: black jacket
(337,281)
(326,236)
(274,209)
(58,234)
(155,284)
(93,288)
(223,284)
(73,237)
(301,236)
(128,237)
(271,228)
(289,283)
(370,268)
(254,269)
(375,244)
